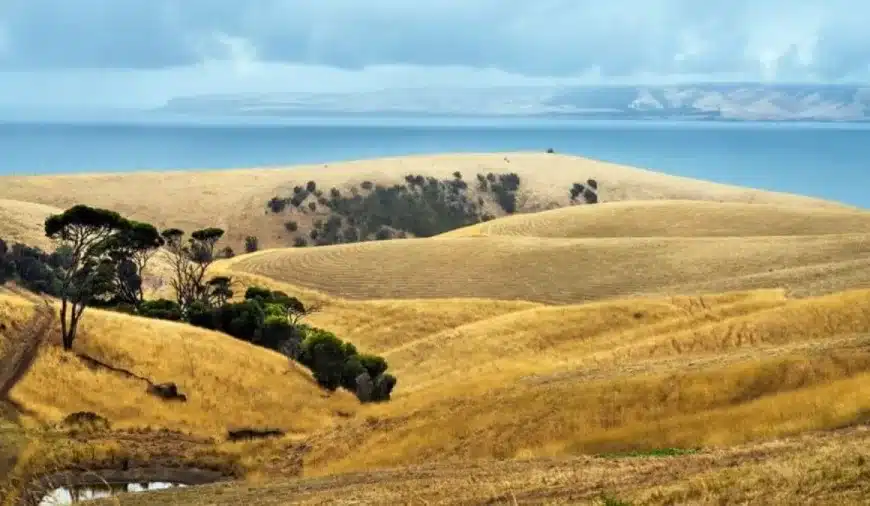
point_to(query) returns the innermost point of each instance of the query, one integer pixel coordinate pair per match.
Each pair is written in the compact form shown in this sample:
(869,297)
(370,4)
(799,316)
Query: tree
(220,290)
(88,236)
(132,249)
(190,260)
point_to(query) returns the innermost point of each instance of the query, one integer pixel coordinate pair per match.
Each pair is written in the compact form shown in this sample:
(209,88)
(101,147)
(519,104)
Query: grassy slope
(675,218)
(213,370)
(568,270)
(235,199)
(823,469)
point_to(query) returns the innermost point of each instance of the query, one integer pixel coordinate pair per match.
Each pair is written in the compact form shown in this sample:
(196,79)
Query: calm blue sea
(825,160)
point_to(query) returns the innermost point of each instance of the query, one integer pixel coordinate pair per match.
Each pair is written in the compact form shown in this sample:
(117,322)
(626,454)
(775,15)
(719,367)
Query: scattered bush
(277,205)
(312,206)
(161,309)
(227,252)
(335,193)
(457,175)
(300,242)
(311,186)
(297,190)
(367,185)
(291,226)
(252,244)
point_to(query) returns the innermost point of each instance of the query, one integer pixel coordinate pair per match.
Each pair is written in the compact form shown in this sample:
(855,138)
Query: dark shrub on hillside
(457,175)
(311,186)
(384,234)
(350,234)
(491,177)
(505,198)
(297,190)
(314,234)
(31,268)
(298,199)
(334,193)
(590,196)
(384,385)
(202,315)
(291,226)
(487,217)
(161,309)
(323,202)
(325,355)
(299,242)
(277,205)
(227,252)
(510,182)
(366,185)
(373,364)
(592,184)
(312,206)
(258,292)
(252,244)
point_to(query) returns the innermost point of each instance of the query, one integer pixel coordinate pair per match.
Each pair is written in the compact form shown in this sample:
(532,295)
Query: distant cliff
(727,102)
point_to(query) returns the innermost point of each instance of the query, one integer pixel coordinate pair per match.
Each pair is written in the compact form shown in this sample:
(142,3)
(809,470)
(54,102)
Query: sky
(140,53)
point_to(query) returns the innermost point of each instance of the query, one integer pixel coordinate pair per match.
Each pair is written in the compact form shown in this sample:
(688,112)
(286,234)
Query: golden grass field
(531,352)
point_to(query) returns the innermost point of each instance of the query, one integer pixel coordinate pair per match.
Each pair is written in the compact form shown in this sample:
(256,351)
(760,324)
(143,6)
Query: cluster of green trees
(588,192)
(422,207)
(100,260)
(29,267)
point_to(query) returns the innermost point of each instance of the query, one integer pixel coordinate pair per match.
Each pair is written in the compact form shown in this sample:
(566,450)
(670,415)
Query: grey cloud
(785,38)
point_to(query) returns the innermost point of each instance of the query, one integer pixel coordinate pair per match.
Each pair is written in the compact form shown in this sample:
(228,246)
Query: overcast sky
(141,52)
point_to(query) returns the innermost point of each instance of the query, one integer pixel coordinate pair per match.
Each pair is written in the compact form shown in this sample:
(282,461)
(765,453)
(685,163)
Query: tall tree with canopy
(190,260)
(87,236)
(132,249)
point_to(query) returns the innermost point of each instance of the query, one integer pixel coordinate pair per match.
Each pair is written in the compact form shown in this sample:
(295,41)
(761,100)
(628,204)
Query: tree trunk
(64,330)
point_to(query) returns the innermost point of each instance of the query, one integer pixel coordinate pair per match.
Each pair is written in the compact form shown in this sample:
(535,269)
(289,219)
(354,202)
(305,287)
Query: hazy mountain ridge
(733,101)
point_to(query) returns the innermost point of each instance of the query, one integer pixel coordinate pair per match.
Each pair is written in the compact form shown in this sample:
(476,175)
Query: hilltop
(263,202)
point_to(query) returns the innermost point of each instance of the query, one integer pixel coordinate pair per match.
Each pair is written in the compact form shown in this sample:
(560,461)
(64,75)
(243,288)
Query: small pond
(73,495)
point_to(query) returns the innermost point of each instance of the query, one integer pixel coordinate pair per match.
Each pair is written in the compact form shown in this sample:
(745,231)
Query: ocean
(825,160)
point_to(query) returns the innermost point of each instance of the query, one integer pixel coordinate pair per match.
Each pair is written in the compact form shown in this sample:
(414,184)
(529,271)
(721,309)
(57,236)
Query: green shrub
(161,309)
(252,244)
(373,364)
(323,353)
(291,226)
(311,186)
(384,385)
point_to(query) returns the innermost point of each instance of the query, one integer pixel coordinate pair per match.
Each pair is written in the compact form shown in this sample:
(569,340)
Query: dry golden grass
(675,218)
(731,373)
(565,270)
(23,222)
(823,469)
(235,200)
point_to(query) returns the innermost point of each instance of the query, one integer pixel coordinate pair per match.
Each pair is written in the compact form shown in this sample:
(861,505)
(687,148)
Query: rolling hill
(236,200)
(680,342)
